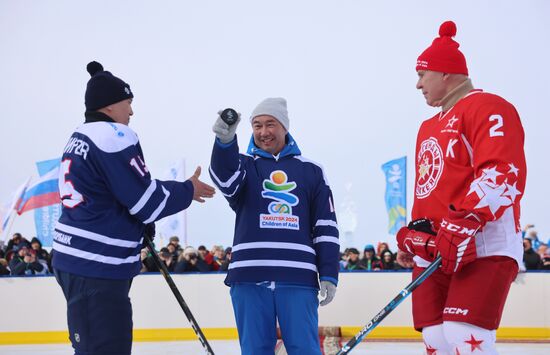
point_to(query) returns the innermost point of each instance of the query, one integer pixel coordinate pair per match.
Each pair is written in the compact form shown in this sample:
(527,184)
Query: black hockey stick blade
(390,307)
(164,271)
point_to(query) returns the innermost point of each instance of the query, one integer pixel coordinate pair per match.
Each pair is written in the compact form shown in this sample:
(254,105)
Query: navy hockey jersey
(107,196)
(285,226)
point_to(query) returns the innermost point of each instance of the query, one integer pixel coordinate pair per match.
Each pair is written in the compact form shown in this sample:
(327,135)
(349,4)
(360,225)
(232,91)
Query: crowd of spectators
(178,259)
(372,260)
(21,257)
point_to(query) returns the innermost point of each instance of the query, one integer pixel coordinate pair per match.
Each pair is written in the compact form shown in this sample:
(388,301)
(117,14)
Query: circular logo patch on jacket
(429,163)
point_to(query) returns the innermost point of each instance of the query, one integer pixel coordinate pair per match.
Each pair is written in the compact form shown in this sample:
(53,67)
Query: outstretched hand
(201,189)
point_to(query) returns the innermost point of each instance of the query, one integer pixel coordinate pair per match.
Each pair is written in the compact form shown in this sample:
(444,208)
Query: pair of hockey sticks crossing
(390,307)
(164,271)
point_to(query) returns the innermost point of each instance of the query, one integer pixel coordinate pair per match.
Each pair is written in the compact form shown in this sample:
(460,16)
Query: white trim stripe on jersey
(326,222)
(230,181)
(326,239)
(161,206)
(272,245)
(144,198)
(306,160)
(95,237)
(275,263)
(231,194)
(94,257)
(469,149)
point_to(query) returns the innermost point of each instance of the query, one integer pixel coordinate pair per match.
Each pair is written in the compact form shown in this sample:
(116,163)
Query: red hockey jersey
(472,157)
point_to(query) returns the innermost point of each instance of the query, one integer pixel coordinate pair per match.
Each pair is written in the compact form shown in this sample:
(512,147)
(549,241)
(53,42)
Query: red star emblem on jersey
(430,350)
(474,344)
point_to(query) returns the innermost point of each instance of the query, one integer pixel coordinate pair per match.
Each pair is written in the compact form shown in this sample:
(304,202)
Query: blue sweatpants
(257,308)
(99,314)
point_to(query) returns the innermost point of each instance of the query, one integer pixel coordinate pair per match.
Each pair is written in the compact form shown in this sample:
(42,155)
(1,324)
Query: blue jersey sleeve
(325,232)
(129,180)
(227,170)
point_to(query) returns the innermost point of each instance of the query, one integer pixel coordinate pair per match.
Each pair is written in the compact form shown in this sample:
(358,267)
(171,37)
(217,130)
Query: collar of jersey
(290,148)
(96,116)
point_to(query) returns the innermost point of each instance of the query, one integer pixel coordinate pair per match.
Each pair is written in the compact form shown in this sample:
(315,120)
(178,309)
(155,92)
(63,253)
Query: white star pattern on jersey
(513,170)
(451,122)
(490,193)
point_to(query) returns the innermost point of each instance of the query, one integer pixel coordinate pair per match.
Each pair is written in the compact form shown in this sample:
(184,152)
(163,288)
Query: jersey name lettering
(78,146)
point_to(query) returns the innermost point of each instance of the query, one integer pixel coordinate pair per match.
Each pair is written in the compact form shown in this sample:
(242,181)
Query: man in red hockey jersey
(470,177)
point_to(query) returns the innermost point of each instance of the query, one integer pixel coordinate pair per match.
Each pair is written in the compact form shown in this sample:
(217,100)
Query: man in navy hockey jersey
(108,201)
(286,236)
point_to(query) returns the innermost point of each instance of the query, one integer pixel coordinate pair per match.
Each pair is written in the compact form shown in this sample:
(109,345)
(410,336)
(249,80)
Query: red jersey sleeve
(494,138)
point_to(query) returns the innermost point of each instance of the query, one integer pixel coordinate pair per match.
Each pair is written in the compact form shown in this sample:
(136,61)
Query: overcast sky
(345,67)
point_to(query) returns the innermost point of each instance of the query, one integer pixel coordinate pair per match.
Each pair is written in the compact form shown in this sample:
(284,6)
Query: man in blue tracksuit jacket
(286,236)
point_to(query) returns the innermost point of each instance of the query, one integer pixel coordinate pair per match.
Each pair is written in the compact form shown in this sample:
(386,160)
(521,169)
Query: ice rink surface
(231,347)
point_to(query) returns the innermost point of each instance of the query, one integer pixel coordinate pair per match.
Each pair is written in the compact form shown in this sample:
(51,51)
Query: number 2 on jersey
(69,196)
(493,131)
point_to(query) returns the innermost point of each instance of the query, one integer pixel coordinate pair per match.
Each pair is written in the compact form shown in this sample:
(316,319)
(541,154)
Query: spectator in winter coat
(4,270)
(147,262)
(386,260)
(381,248)
(41,254)
(344,257)
(189,261)
(218,257)
(173,250)
(176,241)
(370,261)
(25,263)
(225,264)
(353,260)
(167,258)
(530,257)
(16,241)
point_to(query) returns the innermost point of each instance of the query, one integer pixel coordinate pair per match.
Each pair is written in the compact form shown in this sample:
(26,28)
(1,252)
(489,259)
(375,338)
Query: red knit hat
(443,55)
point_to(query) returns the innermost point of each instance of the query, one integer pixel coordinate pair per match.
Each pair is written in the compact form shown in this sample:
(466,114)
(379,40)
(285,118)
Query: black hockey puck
(229,116)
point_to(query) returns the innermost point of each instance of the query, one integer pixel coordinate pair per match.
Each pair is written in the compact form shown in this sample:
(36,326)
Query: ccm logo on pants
(455,310)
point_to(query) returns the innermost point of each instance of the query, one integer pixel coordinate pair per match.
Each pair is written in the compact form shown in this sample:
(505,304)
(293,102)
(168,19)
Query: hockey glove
(150,230)
(328,289)
(225,132)
(418,238)
(455,239)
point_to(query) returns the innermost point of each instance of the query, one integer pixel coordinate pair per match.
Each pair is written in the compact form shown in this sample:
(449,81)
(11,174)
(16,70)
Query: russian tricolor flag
(43,192)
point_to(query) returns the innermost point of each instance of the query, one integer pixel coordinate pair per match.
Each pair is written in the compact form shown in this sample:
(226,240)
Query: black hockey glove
(150,230)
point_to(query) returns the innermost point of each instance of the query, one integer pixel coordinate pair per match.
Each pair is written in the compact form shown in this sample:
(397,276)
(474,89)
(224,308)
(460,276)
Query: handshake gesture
(201,190)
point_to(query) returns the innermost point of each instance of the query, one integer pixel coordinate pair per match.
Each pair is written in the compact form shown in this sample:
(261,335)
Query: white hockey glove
(328,289)
(223,131)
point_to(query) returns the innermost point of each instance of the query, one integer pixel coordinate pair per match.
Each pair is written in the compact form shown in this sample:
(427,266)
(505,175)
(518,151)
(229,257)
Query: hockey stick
(390,307)
(164,271)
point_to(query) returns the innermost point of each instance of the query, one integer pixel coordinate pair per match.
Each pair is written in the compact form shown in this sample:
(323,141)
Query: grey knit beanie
(273,106)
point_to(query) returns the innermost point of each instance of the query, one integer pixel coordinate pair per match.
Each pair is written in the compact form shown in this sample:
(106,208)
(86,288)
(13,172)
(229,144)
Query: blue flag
(396,193)
(46,217)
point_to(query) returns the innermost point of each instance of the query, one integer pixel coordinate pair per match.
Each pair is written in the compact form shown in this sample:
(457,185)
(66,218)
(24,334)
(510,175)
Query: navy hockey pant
(257,308)
(99,314)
